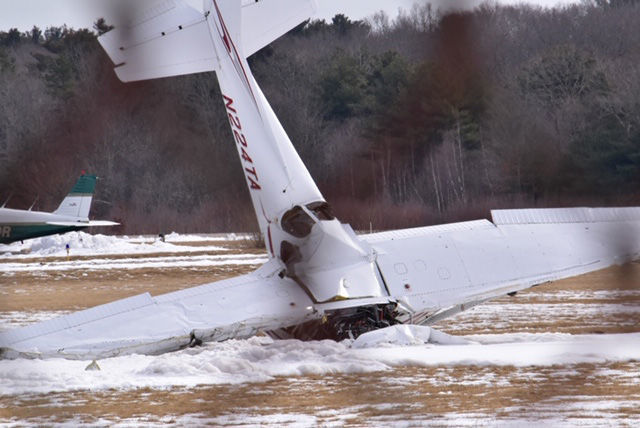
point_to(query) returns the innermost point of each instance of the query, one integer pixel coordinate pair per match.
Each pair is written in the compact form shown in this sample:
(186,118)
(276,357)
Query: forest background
(425,119)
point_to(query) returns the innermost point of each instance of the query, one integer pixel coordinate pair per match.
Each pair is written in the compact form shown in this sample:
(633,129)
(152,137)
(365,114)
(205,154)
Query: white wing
(150,325)
(445,268)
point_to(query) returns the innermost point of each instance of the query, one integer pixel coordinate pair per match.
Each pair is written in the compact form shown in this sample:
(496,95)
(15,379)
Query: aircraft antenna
(34,202)
(7,200)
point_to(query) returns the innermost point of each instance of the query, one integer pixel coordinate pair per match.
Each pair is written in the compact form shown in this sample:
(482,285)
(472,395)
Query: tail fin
(158,42)
(78,201)
(275,175)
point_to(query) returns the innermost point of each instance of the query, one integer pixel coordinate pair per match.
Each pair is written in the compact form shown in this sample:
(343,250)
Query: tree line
(426,118)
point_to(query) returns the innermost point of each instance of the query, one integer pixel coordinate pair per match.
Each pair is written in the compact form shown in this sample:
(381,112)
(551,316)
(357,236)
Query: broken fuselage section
(326,257)
(336,269)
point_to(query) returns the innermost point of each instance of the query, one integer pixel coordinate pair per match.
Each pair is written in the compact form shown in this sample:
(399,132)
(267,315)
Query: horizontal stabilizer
(91,223)
(98,223)
(169,38)
(162,38)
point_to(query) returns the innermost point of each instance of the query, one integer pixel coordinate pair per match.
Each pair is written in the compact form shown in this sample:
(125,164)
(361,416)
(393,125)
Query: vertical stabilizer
(275,175)
(78,201)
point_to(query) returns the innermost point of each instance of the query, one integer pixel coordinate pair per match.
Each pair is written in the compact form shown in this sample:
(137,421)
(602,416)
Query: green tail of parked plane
(72,214)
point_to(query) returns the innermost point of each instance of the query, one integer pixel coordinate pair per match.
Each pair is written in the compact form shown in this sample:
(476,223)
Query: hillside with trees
(423,119)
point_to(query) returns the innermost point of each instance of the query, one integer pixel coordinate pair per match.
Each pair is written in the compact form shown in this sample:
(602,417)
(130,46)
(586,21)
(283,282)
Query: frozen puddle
(261,359)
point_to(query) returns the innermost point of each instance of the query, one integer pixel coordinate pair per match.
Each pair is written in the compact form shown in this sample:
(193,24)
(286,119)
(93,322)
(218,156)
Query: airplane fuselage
(17,225)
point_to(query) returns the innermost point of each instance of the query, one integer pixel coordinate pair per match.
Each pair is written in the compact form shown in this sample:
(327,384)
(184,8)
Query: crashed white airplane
(321,280)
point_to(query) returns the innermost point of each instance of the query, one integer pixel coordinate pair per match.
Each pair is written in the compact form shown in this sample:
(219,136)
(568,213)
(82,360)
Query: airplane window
(297,222)
(321,209)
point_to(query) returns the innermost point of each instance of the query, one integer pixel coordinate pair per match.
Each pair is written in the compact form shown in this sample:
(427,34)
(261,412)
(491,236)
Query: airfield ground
(584,392)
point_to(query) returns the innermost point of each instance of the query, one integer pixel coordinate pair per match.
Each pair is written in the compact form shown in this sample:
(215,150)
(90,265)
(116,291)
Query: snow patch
(134,263)
(201,237)
(406,335)
(15,319)
(260,359)
(176,237)
(85,244)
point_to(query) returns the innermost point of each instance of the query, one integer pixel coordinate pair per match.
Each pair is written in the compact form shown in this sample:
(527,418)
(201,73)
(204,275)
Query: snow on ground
(15,319)
(297,420)
(192,420)
(503,316)
(177,237)
(85,244)
(260,359)
(135,263)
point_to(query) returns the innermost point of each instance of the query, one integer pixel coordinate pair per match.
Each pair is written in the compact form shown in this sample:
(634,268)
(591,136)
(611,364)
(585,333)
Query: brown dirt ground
(427,394)
(80,289)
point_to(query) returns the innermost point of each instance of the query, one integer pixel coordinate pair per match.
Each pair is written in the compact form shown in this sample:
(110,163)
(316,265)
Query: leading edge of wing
(233,308)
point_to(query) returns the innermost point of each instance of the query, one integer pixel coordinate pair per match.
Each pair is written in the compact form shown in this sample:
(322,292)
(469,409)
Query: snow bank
(157,262)
(177,237)
(260,359)
(80,243)
(85,244)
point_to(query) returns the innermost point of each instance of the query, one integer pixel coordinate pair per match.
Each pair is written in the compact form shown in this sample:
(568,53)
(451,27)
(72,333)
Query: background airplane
(72,214)
(321,280)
